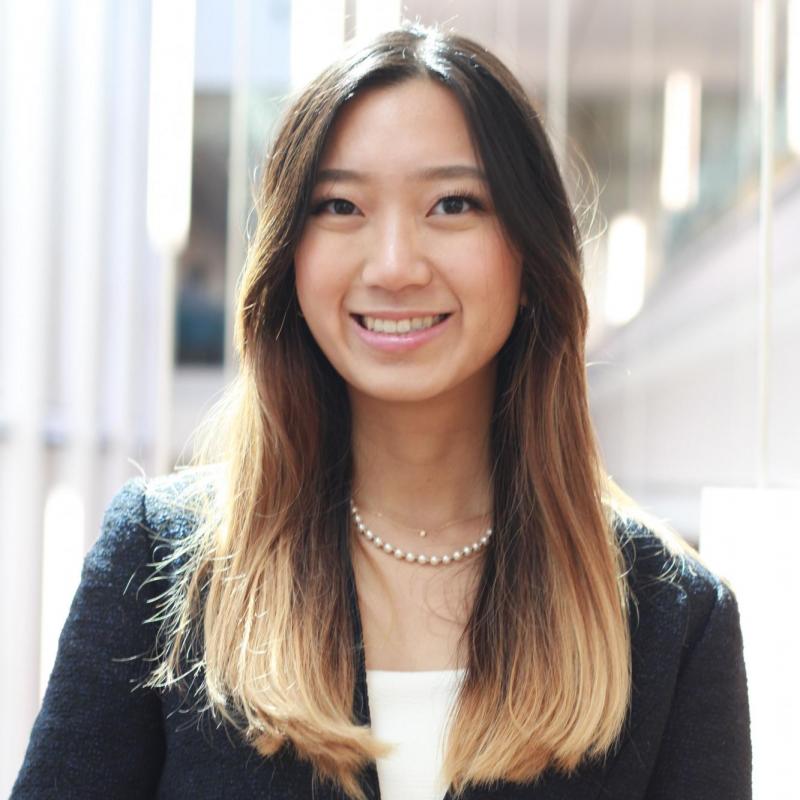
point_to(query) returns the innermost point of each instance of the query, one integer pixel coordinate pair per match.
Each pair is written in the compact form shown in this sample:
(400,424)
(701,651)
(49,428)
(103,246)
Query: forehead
(414,124)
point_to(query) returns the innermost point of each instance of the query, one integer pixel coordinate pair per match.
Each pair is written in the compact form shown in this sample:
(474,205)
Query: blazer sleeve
(706,751)
(97,735)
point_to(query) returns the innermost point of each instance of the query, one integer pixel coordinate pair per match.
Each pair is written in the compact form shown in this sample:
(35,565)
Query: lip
(399,342)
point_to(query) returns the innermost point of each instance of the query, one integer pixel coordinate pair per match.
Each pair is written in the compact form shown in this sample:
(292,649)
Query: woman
(398,566)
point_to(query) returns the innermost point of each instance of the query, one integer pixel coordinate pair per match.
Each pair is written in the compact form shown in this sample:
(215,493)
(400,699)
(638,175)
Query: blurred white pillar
(558,76)
(765,232)
(169,177)
(680,153)
(317,36)
(27,160)
(82,227)
(126,382)
(760,10)
(626,268)
(75,339)
(750,537)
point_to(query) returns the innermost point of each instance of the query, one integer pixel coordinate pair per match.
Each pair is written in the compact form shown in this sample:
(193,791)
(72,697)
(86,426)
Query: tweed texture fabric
(99,735)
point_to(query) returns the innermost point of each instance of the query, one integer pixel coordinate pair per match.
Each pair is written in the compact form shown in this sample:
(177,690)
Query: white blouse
(409,710)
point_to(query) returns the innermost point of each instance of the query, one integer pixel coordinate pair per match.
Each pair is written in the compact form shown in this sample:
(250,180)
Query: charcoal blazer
(98,735)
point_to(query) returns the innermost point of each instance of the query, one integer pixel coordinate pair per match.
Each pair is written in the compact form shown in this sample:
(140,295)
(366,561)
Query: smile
(403,325)
(391,333)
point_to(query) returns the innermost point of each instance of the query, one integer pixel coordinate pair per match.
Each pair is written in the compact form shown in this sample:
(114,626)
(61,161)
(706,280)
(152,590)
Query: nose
(395,259)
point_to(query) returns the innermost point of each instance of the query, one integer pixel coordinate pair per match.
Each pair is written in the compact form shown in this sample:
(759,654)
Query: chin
(397,391)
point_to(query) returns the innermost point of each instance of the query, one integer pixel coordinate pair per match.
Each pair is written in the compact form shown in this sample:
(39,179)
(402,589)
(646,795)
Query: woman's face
(403,274)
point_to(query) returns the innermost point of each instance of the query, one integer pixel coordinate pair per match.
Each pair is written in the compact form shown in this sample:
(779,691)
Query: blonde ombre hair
(257,618)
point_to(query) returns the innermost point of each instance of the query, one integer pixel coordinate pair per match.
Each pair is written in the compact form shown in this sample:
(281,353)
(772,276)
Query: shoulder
(670,585)
(148,518)
(689,712)
(167,506)
(174,504)
(661,561)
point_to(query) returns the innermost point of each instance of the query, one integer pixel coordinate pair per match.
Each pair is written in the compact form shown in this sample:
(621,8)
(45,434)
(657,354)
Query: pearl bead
(362,527)
(434,560)
(484,539)
(398,553)
(466,550)
(369,534)
(422,559)
(387,548)
(378,541)
(445,559)
(457,555)
(410,557)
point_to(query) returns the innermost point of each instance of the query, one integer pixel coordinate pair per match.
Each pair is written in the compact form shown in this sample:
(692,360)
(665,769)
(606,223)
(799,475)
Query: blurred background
(131,140)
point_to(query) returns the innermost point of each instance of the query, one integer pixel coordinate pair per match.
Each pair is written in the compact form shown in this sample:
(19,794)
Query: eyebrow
(427,174)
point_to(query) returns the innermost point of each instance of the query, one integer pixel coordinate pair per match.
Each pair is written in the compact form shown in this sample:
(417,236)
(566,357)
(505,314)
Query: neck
(424,464)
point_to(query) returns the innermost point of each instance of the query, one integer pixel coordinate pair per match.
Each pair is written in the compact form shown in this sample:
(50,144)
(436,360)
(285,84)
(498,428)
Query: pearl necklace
(434,561)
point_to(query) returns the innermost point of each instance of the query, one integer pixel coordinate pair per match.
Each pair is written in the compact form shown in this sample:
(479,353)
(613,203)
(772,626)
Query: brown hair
(263,580)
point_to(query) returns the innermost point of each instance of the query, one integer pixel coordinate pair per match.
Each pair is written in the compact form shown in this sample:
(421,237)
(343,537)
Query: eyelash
(470,198)
(319,207)
(459,195)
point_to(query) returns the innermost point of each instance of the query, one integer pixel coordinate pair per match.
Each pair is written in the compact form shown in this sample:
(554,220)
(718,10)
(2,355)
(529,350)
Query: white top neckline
(409,709)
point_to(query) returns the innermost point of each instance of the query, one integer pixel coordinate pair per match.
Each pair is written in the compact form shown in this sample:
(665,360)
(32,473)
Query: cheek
(320,294)
(303,285)
(312,275)
(500,282)
(502,299)
(304,268)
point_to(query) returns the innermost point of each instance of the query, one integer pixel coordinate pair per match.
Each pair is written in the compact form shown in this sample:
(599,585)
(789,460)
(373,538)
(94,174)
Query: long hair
(257,613)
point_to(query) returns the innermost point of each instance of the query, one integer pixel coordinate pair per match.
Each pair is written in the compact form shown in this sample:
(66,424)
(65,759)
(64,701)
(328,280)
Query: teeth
(401,325)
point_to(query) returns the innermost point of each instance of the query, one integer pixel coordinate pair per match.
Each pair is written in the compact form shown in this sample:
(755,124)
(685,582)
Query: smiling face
(403,274)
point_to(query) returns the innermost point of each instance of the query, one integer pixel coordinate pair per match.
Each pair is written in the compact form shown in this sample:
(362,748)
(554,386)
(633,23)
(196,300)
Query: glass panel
(242,59)
(662,131)
(201,267)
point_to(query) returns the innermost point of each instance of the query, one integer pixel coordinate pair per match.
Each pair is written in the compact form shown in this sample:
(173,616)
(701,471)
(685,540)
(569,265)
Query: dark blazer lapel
(659,624)
(659,627)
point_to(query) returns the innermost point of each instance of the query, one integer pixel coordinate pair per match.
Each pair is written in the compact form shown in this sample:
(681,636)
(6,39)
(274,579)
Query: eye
(458,203)
(337,206)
